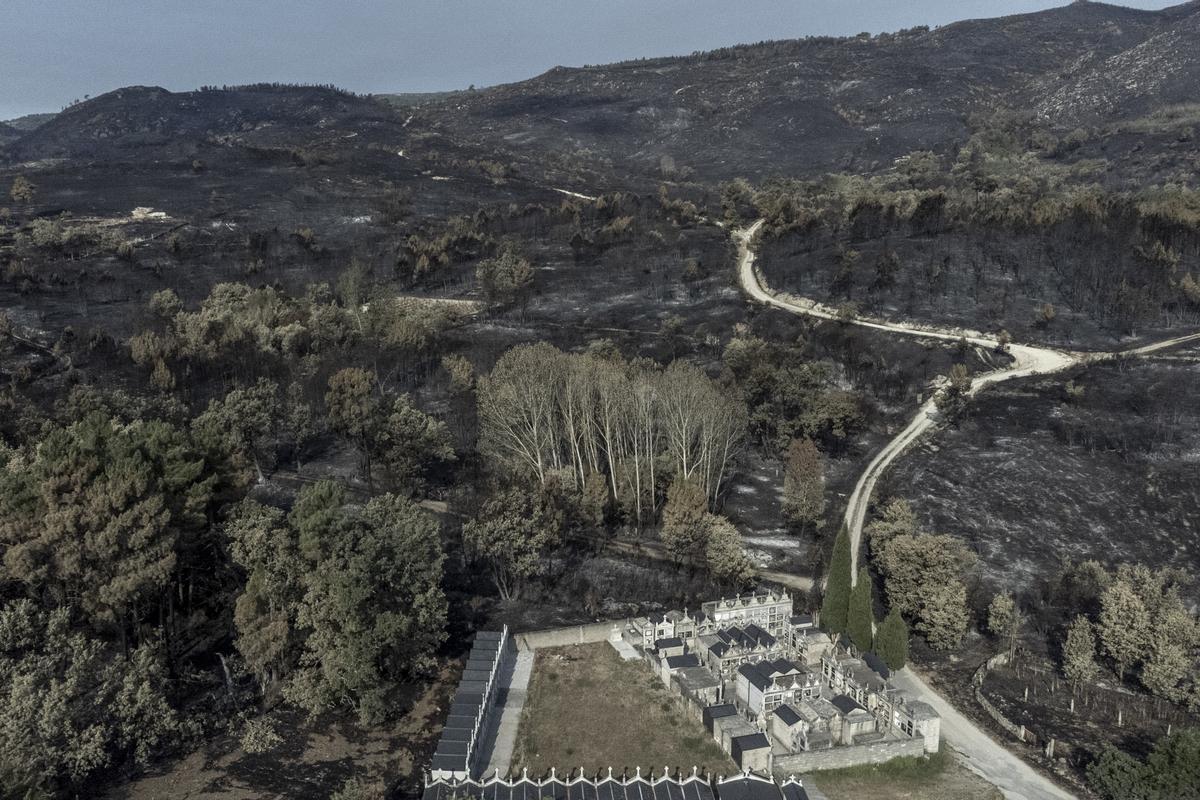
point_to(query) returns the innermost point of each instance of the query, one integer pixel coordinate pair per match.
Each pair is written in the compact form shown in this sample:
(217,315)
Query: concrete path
(980,752)
(503,738)
(624,649)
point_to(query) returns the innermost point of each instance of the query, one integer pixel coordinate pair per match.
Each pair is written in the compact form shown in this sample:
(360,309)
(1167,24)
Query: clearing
(588,709)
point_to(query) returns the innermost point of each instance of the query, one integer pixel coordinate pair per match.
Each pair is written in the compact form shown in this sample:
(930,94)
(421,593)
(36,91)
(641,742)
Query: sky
(55,51)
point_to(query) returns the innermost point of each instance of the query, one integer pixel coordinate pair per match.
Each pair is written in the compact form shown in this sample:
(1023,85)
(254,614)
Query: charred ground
(287,188)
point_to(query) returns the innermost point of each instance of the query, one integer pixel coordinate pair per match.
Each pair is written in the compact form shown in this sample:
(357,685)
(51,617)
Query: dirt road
(1016,779)
(1027,360)
(982,754)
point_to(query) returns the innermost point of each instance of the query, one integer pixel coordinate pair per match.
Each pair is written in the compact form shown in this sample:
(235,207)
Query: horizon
(422,47)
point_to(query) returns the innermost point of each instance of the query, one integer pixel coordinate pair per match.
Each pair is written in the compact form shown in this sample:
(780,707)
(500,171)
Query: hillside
(784,107)
(839,104)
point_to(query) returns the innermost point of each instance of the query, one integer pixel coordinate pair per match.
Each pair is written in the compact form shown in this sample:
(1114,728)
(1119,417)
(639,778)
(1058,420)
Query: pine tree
(891,640)
(860,617)
(835,607)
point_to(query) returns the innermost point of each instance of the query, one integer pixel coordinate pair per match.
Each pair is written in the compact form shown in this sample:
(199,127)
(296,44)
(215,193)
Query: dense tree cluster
(249,331)
(922,574)
(544,413)
(112,577)
(341,603)
(791,397)
(1134,620)
(1170,772)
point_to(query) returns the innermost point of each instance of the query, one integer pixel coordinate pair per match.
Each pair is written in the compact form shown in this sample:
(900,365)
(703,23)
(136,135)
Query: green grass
(907,768)
(935,777)
(588,708)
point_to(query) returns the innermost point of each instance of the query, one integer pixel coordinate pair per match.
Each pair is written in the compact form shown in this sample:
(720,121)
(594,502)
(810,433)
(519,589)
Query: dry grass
(589,709)
(939,777)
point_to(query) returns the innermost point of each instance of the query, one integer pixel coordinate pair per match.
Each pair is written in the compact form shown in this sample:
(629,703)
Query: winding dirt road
(1027,360)
(1015,778)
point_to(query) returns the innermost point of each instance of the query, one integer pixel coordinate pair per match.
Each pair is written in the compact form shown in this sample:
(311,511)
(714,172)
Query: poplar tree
(835,606)
(860,617)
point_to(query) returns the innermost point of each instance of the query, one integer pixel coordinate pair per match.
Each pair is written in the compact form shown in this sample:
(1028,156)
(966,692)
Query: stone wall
(850,756)
(571,634)
(993,712)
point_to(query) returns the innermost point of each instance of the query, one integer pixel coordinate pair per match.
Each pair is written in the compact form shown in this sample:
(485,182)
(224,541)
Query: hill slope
(841,104)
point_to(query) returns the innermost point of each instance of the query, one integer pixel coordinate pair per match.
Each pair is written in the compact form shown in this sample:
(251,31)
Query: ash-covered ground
(1102,464)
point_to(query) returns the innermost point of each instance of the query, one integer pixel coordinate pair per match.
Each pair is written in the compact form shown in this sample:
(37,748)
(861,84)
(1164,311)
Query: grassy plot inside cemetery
(589,709)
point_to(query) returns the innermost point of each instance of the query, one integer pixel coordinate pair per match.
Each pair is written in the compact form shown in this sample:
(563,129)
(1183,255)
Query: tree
(895,519)
(835,606)
(267,547)
(1079,652)
(373,611)
(593,501)
(358,789)
(912,564)
(245,418)
(298,424)
(952,400)
(1115,775)
(165,304)
(685,526)
(353,410)
(1124,626)
(412,444)
(72,705)
(1168,659)
(727,561)
(860,620)
(803,484)
(1170,772)
(891,640)
(105,515)
(260,736)
(513,532)
(22,191)
(1004,620)
(506,279)
(943,616)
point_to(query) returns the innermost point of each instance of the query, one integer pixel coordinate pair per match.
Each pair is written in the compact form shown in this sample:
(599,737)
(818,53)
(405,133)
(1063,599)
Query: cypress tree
(891,640)
(860,616)
(836,605)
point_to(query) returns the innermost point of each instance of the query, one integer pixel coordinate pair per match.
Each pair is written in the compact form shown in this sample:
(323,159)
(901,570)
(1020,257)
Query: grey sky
(54,51)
